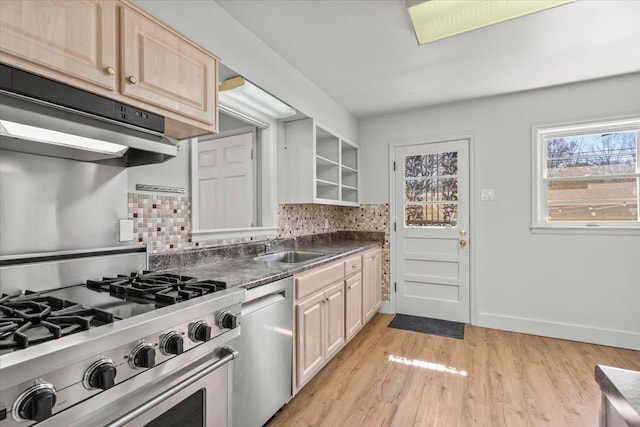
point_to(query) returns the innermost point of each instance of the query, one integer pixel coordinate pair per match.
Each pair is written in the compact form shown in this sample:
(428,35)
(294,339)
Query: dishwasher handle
(262,302)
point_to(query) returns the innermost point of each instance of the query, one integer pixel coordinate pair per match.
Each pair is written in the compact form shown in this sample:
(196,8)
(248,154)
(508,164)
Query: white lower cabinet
(371,283)
(328,312)
(320,320)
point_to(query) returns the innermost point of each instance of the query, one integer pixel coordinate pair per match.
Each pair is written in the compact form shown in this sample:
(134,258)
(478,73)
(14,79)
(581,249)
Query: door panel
(225,176)
(431,207)
(165,70)
(353,298)
(310,345)
(334,298)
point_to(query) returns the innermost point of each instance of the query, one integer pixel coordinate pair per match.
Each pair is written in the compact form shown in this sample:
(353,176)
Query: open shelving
(332,177)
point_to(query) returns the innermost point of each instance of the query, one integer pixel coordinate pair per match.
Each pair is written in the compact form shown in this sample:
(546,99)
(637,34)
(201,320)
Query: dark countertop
(622,388)
(248,273)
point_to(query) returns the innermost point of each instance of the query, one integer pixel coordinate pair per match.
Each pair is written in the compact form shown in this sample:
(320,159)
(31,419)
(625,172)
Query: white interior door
(432,230)
(225,178)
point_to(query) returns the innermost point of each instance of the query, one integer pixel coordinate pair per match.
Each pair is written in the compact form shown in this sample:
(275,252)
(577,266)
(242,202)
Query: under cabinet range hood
(45,117)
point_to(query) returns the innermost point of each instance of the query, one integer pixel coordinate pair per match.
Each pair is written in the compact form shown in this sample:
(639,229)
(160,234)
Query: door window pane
(431,190)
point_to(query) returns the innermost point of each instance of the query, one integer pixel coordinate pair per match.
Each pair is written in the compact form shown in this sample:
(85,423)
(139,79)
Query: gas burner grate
(30,319)
(161,288)
(189,291)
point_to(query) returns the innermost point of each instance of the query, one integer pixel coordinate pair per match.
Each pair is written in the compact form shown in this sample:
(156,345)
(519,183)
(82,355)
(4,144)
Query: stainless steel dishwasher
(262,372)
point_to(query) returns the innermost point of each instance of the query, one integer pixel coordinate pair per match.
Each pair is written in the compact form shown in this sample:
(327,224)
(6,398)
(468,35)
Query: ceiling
(363,53)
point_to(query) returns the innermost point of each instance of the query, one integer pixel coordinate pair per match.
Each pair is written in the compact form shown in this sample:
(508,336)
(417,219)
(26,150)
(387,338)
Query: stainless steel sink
(289,257)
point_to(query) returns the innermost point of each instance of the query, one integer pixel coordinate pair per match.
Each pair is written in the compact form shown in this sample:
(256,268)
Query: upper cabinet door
(70,41)
(163,69)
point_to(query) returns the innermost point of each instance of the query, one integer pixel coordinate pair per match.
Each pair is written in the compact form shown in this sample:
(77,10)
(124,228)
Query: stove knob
(171,343)
(200,331)
(142,356)
(101,374)
(227,320)
(35,404)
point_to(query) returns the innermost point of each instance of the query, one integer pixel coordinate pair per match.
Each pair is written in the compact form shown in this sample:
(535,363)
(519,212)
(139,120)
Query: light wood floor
(390,377)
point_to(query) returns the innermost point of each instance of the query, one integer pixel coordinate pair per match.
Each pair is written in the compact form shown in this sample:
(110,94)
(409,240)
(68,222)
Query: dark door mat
(427,325)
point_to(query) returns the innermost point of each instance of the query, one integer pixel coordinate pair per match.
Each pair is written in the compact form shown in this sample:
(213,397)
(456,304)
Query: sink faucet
(267,247)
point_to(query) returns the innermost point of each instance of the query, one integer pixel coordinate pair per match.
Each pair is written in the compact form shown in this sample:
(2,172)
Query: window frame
(539,213)
(265,165)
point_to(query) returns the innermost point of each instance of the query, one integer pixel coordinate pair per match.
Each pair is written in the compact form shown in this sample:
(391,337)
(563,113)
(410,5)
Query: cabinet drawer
(352,265)
(318,278)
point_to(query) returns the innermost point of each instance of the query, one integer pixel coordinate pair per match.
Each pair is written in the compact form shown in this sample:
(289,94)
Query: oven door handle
(229,355)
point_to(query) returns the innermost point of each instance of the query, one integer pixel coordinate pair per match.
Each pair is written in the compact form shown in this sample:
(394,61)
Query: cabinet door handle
(110,70)
(132,80)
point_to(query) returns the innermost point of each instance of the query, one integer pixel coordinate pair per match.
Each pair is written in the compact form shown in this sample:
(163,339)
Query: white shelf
(323,182)
(348,187)
(324,160)
(347,168)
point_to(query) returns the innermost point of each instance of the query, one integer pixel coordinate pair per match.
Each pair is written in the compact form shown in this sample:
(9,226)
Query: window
(587,175)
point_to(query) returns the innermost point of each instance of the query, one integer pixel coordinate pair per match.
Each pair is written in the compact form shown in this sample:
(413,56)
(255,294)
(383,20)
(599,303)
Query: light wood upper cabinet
(166,70)
(114,49)
(69,41)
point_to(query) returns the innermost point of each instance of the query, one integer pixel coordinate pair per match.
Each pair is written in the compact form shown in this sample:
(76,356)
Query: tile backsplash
(163,222)
(304,219)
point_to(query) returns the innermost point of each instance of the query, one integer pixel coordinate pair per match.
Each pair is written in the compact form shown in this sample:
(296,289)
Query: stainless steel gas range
(89,338)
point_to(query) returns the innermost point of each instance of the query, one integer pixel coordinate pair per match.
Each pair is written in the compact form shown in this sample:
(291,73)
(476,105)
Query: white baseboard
(388,307)
(588,334)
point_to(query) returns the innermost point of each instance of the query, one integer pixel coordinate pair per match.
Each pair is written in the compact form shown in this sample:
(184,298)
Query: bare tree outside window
(431,190)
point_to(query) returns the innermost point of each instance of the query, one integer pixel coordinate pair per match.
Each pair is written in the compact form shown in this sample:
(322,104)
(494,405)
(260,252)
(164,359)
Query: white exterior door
(432,230)
(225,178)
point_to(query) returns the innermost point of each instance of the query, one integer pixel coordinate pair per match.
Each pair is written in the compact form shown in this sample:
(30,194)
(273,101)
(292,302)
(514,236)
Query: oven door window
(188,413)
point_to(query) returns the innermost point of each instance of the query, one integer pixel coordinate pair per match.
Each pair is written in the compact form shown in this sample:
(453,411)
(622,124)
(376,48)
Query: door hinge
(252,154)
(394,165)
(394,226)
(395,286)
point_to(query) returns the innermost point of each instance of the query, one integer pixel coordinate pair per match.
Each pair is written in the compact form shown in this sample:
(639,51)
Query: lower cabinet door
(371,283)
(310,332)
(353,317)
(334,311)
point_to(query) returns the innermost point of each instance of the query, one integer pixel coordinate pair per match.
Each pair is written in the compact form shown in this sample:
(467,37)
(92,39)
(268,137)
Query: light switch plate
(487,194)
(125,230)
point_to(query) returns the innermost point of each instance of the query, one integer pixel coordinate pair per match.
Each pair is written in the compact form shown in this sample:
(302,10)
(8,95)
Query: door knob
(110,70)
(132,80)
(463,233)
(463,243)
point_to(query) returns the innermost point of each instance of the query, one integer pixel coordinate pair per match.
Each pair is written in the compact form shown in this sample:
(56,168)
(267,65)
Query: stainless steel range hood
(44,117)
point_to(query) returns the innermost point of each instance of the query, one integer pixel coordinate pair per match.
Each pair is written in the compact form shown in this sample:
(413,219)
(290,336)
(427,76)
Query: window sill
(586,230)
(233,233)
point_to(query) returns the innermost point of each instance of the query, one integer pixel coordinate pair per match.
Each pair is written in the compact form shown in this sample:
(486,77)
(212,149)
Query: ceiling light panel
(436,19)
(245,92)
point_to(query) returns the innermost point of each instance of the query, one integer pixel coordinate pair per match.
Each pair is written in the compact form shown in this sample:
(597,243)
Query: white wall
(175,172)
(209,25)
(581,287)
